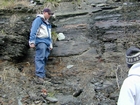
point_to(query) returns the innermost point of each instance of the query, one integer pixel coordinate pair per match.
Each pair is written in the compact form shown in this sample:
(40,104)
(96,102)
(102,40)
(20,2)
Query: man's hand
(51,48)
(32,45)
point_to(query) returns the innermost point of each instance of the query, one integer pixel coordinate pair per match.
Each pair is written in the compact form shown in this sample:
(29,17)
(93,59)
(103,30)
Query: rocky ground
(87,67)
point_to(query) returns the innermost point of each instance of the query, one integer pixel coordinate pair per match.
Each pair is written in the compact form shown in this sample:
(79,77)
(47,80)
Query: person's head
(132,56)
(47,13)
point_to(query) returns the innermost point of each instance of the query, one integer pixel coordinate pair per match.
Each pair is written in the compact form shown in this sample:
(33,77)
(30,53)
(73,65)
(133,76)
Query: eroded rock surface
(91,58)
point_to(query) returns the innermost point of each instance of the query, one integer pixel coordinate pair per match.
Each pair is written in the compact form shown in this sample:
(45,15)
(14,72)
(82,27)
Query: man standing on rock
(130,90)
(40,38)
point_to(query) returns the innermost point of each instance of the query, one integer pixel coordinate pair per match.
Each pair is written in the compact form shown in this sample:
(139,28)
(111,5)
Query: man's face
(47,15)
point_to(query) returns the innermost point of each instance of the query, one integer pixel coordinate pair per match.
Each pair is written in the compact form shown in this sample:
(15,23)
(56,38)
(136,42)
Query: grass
(8,4)
(54,36)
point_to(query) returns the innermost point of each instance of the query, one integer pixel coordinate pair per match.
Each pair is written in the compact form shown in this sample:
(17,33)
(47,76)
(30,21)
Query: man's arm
(35,25)
(127,93)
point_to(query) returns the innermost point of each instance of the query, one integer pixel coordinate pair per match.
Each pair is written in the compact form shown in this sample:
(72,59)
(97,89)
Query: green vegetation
(5,3)
(54,36)
(51,94)
(12,3)
(2,31)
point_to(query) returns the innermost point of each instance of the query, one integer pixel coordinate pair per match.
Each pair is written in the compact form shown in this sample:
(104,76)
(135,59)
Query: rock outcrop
(15,28)
(86,68)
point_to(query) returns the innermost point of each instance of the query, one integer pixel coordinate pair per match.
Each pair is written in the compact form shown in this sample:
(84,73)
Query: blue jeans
(41,57)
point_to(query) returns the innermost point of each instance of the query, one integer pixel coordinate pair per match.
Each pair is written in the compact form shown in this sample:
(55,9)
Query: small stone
(77,93)
(70,66)
(61,36)
(52,99)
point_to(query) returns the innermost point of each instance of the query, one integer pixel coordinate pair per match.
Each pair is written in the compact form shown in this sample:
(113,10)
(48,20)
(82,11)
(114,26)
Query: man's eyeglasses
(50,13)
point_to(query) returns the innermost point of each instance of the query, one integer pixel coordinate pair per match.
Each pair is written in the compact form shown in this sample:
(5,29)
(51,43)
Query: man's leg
(40,59)
(47,55)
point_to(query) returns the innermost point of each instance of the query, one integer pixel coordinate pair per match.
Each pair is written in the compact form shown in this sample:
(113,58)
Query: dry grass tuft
(8,4)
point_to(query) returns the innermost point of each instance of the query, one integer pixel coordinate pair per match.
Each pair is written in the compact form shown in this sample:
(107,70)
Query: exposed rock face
(15,28)
(16,24)
(91,58)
